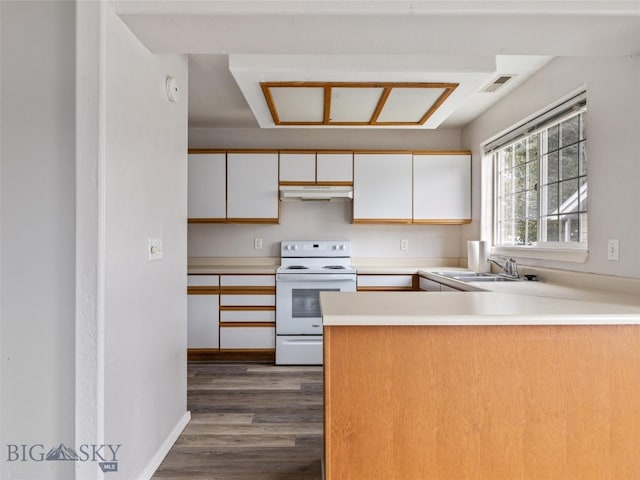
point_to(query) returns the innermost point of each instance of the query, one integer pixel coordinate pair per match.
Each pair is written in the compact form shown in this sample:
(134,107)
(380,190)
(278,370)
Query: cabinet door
(298,167)
(202,321)
(442,188)
(429,285)
(207,195)
(385,282)
(252,187)
(382,188)
(336,168)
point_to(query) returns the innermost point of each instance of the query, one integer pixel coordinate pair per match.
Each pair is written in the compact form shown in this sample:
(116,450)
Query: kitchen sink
(495,278)
(477,277)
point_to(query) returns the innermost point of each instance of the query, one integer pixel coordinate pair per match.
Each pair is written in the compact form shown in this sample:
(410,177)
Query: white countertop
(469,308)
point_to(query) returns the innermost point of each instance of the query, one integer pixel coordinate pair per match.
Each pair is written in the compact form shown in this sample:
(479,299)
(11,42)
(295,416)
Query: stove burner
(297,267)
(335,267)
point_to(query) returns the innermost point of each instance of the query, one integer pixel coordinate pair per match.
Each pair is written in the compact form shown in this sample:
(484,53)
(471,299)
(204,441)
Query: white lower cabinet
(202,324)
(247,337)
(203,311)
(247,312)
(429,285)
(385,282)
(447,288)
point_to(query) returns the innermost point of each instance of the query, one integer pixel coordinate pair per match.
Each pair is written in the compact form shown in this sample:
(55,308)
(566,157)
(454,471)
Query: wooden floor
(249,421)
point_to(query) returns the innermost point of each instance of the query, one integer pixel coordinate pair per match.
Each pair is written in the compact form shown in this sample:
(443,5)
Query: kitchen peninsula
(480,385)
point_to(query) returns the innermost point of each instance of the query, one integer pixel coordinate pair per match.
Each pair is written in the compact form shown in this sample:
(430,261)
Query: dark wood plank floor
(249,421)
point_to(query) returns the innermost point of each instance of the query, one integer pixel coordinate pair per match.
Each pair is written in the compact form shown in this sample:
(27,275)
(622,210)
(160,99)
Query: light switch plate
(613,249)
(155,249)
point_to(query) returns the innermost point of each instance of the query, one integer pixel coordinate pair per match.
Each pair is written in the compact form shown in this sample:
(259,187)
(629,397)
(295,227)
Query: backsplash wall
(323,221)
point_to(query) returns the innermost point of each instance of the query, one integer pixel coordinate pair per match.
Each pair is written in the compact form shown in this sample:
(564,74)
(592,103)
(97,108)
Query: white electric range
(306,269)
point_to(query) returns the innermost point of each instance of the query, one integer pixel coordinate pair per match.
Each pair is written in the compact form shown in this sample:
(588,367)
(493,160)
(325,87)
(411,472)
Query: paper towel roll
(483,256)
(473,255)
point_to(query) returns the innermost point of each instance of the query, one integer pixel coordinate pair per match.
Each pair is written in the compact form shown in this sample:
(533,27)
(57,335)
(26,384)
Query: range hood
(316,193)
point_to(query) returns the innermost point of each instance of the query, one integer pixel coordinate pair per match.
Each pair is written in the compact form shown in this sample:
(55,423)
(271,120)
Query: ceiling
(233,46)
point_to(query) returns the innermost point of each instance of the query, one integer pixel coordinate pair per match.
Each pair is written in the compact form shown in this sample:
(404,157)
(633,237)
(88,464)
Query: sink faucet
(510,266)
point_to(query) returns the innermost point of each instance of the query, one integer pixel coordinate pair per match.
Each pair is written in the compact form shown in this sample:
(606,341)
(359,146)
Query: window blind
(572,104)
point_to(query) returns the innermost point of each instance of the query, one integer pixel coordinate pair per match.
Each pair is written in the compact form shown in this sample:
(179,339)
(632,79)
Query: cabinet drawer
(248,315)
(203,280)
(248,300)
(247,280)
(247,337)
(388,281)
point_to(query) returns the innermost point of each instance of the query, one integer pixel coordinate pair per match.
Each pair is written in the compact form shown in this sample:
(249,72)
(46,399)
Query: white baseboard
(157,459)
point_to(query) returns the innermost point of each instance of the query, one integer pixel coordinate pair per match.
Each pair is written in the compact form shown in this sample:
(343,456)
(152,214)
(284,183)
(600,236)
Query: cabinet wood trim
(207,220)
(299,150)
(381,152)
(203,290)
(442,221)
(253,220)
(385,288)
(442,152)
(396,221)
(247,324)
(235,354)
(196,151)
(248,308)
(247,290)
(293,183)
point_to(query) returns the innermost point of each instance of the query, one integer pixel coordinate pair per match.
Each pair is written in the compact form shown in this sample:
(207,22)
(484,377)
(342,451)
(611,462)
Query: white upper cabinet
(207,195)
(252,187)
(382,187)
(442,188)
(334,168)
(322,168)
(298,167)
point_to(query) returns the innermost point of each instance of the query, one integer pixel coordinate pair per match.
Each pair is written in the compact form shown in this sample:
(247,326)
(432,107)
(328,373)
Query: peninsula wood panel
(485,402)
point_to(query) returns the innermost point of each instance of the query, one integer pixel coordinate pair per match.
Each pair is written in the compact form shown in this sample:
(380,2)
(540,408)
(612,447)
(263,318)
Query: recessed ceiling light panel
(357,104)
(299,104)
(354,103)
(409,105)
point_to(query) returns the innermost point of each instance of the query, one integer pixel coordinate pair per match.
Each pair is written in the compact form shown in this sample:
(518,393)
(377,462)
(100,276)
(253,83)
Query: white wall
(322,221)
(145,195)
(37,233)
(329,138)
(94,201)
(613,148)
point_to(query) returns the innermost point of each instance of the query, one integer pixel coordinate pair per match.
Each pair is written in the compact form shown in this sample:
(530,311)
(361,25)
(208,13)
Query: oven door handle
(310,277)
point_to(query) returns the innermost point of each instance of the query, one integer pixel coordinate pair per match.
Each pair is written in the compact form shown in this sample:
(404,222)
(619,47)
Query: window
(541,181)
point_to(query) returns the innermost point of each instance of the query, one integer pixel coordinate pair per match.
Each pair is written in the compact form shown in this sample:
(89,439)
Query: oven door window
(305,302)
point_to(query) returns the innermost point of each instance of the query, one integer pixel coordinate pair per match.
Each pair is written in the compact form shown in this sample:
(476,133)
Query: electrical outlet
(404,245)
(257,244)
(613,249)
(155,249)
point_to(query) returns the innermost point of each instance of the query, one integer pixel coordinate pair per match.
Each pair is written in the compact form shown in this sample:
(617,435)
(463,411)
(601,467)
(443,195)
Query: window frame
(557,251)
